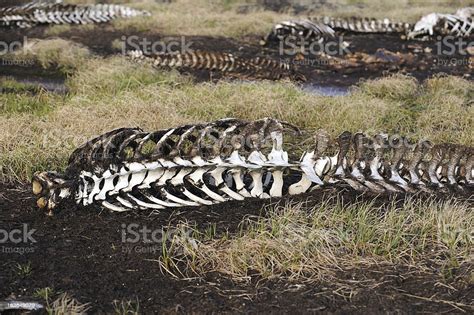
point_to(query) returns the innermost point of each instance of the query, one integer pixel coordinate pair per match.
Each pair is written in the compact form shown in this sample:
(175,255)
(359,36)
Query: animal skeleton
(363,25)
(298,29)
(231,159)
(459,24)
(443,24)
(38,13)
(319,28)
(258,67)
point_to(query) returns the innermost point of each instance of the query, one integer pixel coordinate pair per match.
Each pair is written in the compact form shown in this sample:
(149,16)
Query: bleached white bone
(307,165)
(145,204)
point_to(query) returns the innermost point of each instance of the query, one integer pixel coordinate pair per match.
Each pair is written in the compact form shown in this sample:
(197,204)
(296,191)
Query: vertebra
(258,67)
(231,159)
(38,13)
(363,25)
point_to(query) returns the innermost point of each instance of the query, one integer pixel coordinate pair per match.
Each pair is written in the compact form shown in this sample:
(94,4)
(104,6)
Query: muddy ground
(81,252)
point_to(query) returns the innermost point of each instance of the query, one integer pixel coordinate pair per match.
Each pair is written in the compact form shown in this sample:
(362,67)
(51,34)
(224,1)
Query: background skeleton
(55,12)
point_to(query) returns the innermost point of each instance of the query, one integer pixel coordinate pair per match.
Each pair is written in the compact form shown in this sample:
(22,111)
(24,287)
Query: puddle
(55,85)
(34,78)
(327,90)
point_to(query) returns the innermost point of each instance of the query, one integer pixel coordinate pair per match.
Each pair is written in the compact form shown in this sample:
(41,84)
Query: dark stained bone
(398,151)
(83,158)
(437,155)
(468,169)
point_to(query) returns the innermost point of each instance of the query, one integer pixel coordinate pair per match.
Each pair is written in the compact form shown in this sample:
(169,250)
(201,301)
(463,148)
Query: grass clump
(9,85)
(39,103)
(43,293)
(23,270)
(18,97)
(54,53)
(66,304)
(397,87)
(310,243)
(126,307)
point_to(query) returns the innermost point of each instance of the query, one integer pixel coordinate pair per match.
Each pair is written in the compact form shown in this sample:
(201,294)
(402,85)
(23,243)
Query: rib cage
(231,159)
(258,67)
(38,13)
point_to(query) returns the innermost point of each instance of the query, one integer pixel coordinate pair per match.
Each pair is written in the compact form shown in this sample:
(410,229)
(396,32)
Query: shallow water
(327,90)
(55,85)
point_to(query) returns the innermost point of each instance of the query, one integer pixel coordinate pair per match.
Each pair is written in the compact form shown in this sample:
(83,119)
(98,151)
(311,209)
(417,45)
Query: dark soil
(80,251)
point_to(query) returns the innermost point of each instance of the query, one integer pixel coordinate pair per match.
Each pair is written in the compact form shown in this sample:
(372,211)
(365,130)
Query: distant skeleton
(55,12)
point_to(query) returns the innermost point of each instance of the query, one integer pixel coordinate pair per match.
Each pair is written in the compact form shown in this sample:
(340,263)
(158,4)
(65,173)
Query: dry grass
(64,55)
(126,307)
(111,93)
(66,305)
(312,243)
